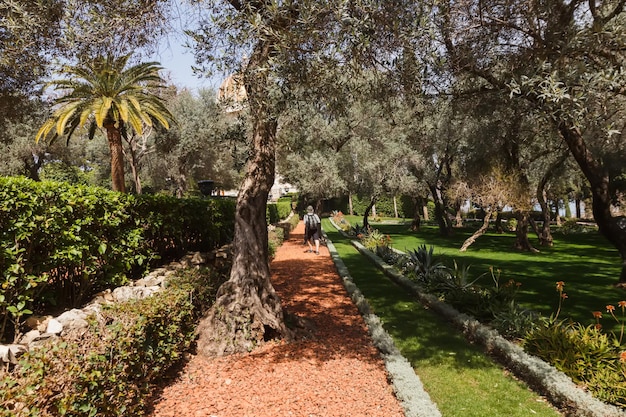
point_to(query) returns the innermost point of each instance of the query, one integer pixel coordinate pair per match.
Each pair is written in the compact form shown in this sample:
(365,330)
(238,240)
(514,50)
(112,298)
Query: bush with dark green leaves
(60,243)
(279,210)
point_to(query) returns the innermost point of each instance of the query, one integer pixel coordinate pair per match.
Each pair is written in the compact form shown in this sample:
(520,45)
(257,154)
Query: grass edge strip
(538,374)
(407,386)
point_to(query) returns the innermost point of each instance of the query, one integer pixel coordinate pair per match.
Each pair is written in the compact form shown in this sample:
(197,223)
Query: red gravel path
(333,371)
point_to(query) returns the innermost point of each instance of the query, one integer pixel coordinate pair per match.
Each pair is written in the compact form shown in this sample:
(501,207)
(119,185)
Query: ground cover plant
(460,379)
(113,367)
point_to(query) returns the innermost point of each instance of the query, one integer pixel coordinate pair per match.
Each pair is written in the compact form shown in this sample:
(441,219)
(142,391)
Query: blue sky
(177,60)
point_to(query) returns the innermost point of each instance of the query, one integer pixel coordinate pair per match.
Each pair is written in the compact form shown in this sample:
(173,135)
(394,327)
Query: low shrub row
(113,367)
(62,243)
(279,210)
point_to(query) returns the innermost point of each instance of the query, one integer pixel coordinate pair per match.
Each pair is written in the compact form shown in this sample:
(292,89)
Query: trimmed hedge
(384,205)
(278,211)
(60,243)
(113,368)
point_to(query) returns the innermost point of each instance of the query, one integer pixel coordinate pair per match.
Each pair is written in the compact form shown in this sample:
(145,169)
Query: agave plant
(425,268)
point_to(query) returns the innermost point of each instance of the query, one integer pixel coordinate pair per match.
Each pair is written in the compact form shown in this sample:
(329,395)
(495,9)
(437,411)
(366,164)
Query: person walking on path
(312,229)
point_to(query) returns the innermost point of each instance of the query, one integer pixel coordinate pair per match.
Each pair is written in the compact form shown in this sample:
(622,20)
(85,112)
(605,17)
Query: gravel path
(332,370)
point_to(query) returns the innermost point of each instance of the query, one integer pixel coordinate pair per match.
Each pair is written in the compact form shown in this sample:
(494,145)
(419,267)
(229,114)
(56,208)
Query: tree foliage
(106,94)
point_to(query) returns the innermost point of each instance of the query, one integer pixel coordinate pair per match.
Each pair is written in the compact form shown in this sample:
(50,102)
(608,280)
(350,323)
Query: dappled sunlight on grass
(456,374)
(588,264)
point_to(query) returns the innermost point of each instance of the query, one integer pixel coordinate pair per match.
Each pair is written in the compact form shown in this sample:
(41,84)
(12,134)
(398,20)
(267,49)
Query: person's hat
(309,209)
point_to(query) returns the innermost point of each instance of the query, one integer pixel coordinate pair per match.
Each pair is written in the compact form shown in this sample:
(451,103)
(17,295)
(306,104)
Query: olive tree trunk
(613,228)
(522,242)
(248,311)
(478,233)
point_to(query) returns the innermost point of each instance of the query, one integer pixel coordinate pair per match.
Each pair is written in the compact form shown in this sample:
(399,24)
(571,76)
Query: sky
(177,61)
(176,58)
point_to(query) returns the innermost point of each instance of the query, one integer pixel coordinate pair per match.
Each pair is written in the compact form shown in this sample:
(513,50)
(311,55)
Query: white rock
(73,319)
(29,337)
(122,294)
(10,353)
(54,327)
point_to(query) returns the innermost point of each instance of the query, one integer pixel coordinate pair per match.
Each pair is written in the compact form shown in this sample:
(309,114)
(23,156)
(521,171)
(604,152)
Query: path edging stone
(407,386)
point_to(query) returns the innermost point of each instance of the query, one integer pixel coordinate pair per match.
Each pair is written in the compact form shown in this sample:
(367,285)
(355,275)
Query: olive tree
(564,58)
(276,47)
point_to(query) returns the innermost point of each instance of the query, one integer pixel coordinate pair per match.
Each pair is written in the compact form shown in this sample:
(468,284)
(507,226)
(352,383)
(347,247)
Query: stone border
(538,374)
(406,384)
(74,321)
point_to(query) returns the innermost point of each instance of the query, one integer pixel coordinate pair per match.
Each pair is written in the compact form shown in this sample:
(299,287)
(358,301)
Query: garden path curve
(332,370)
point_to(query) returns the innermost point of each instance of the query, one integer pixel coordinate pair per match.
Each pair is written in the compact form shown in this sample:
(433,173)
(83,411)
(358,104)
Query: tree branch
(236,4)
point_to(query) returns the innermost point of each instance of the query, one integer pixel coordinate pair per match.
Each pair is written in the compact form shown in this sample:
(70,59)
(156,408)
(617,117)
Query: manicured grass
(460,379)
(587,263)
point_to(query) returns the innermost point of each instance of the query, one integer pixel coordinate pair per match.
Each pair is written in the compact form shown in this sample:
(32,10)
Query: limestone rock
(10,353)
(122,294)
(73,320)
(29,337)
(198,259)
(54,327)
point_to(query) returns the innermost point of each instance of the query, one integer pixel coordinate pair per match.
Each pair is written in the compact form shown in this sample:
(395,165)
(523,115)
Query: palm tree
(105,94)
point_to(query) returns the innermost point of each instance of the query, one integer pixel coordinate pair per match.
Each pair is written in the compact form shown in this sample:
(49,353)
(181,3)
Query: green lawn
(460,379)
(587,263)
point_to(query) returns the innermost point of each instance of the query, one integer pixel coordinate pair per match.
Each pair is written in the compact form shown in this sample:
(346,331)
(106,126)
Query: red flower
(560,285)
(597,314)
(610,308)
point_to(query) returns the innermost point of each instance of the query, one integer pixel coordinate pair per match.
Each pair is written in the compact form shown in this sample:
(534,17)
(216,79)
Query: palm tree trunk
(114,138)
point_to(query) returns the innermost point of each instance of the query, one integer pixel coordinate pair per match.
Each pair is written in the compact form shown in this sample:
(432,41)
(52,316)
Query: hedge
(278,211)
(60,243)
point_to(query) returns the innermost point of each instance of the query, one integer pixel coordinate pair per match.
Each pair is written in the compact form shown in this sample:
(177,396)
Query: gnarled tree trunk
(522,242)
(366,224)
(418,206)
(613,228)
(248,311)
(545,234)
(481,231)
(445,225)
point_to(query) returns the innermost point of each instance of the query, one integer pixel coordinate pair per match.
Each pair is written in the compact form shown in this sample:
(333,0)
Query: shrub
(60,244)
(278,211)
(372,239)
(112,369)
(571,226)
(515,322)
(276,236)
(584,353)
(340,220)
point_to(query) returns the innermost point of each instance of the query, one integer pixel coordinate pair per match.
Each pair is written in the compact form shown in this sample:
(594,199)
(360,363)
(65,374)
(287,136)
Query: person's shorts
(315,234)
